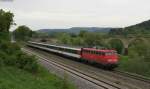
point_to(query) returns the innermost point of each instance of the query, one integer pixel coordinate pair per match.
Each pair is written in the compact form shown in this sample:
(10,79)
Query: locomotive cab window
(108,53)
(103,54)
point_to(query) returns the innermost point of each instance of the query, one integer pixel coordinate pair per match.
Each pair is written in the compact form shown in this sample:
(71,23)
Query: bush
(28,63)
(8,47)
(1,62)
(11,55)
(135,65)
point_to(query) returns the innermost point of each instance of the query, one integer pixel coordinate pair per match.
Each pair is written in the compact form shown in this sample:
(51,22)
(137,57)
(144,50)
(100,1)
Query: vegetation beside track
(14,78)
(136,66)
(19,70)
(138,59)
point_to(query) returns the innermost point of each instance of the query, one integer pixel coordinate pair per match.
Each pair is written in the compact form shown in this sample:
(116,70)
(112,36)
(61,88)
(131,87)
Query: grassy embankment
(21,71)
(14,78)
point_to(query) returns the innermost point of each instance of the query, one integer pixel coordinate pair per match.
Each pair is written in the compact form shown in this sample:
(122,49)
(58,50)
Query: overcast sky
(38,14)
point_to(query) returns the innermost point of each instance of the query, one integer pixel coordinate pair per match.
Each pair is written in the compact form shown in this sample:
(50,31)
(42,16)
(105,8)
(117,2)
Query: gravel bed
(80,83)
(107,75)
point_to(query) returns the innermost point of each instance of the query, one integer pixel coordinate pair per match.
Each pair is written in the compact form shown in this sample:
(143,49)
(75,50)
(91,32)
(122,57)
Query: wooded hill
(76,30)
(141,28)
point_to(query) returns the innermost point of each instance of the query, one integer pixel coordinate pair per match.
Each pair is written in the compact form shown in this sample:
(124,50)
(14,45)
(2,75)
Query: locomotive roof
(56,46)
(69,48)
(73,48)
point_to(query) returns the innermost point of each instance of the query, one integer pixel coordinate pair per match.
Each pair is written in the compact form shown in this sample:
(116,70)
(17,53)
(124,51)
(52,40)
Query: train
(108,58)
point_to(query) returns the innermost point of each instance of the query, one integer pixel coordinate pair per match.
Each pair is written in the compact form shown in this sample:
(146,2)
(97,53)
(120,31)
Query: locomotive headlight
(110,60)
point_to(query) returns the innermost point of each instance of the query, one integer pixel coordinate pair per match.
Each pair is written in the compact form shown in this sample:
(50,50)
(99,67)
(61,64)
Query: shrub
(134,65)
(8,47)
(11,55)
(1,62)
(28,63)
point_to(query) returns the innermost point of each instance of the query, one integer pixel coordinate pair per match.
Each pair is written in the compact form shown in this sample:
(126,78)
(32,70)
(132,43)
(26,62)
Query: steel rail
(98,82)
(126,74)
(132,75)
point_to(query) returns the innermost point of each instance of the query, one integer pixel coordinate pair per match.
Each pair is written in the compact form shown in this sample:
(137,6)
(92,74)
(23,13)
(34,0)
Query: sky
(42,14)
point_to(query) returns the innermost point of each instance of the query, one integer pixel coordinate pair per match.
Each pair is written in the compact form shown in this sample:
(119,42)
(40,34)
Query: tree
(22,33)
(139,49)
(92,39)
(117,44)
(78,41)
(64,38)
(82,33)
(6,20)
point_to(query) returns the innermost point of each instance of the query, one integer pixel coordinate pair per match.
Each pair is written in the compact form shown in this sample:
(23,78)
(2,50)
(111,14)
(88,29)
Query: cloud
(70,13)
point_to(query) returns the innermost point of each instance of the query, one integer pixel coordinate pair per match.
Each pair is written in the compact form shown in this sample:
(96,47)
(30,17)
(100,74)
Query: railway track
(117,78)
(101,83)
(134,76)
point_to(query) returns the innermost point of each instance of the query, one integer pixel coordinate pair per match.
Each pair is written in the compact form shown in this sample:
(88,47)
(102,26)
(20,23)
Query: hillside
(141,28)
(75,30)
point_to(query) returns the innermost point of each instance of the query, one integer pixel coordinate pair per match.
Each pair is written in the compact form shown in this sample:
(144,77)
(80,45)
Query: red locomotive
(108,58)
(105,57)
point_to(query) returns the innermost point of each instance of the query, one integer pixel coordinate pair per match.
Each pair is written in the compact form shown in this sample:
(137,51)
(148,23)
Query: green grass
(14,78)
(135,65)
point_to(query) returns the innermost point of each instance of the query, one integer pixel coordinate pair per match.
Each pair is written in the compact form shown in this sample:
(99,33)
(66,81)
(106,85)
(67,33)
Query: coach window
(66,50)
(74,51)
(69,50)
(97,53)
(88,51)
(93,52)
(103,53)
(83,51)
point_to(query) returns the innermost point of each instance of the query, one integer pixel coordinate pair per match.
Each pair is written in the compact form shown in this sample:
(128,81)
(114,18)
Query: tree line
(10,53)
